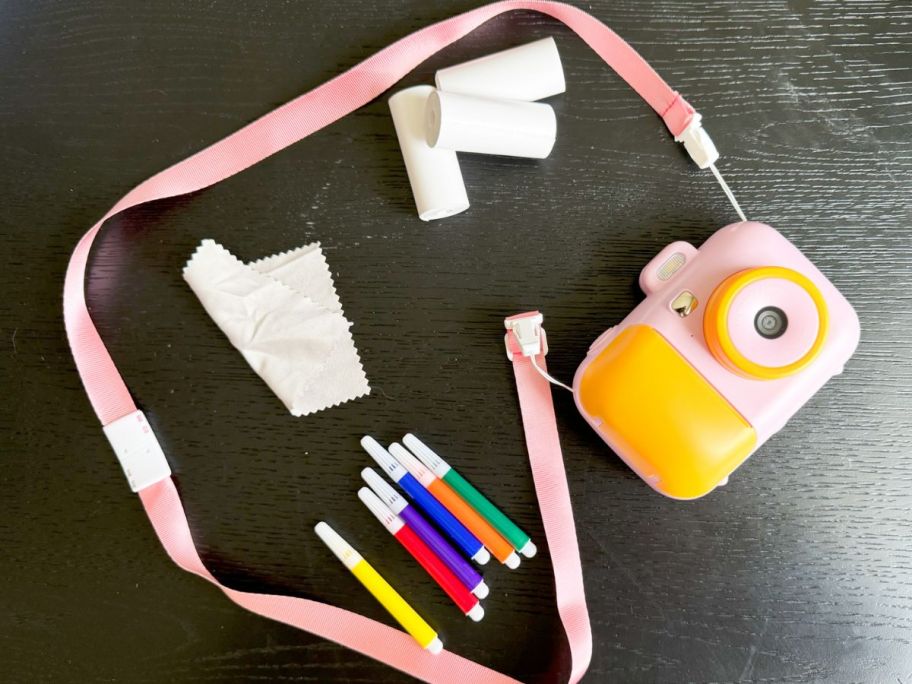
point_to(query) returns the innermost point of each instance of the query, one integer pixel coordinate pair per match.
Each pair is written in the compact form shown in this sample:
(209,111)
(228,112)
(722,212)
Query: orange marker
(499,547)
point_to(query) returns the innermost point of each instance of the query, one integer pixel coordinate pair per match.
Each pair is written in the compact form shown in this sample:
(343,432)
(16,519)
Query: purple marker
(451,558)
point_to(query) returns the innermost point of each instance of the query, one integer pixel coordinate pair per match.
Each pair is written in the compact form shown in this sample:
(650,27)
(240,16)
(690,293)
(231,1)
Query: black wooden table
(799,570)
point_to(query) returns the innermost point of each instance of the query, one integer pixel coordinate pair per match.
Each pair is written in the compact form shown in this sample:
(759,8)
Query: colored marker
(499,547)
(519,539)
(380,589)
(462,597)
(410,515)
(464,539)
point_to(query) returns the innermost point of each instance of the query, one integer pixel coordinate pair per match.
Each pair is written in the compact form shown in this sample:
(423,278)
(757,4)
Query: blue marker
(464,539)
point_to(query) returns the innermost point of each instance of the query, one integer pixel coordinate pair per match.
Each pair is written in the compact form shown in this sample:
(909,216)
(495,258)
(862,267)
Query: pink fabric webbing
(375,639)
(550,478)
(273,132)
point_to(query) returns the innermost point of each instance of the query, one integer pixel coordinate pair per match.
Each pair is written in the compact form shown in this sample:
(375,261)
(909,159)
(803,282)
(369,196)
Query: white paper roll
(527,72)
(466,123)
(433,173)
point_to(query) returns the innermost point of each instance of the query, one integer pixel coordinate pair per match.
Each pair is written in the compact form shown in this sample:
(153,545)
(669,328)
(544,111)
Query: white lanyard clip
(530,340)
(528,335)
(703,151)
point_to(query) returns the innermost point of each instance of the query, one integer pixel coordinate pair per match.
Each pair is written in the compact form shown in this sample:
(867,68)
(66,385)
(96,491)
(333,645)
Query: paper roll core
(433,118)
(527,72)
(434,174)
(465,123)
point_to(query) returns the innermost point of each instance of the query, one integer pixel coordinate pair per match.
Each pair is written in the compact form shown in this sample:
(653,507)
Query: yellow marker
(380,589)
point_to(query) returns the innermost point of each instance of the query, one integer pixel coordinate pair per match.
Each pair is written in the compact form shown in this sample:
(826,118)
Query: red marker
(421,552)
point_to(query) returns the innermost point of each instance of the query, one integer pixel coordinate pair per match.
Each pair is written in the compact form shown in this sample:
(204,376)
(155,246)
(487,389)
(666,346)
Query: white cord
(548,377)
(731,198)
(727,191)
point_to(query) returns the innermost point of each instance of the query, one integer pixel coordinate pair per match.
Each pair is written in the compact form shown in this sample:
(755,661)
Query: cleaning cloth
(284,316)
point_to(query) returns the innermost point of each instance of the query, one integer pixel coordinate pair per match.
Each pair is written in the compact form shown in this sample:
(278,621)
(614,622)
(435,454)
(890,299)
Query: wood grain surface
(800,570)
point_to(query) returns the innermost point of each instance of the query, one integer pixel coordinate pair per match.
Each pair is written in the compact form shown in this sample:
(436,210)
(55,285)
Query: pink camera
(731,340)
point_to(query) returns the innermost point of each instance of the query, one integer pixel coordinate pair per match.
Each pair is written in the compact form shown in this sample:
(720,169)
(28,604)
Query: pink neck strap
(251,144)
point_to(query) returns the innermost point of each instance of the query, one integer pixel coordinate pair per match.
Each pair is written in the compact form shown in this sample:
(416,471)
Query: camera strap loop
(253,143)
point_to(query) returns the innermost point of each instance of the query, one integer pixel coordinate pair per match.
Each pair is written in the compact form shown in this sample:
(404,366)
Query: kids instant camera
(731,340)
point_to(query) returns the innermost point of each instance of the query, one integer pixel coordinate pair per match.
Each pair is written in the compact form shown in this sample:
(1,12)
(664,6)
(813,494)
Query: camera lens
(771,322)
(746,327)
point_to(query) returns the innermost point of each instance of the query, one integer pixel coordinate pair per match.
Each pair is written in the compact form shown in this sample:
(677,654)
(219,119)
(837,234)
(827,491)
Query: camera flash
(684,304)
(671,266)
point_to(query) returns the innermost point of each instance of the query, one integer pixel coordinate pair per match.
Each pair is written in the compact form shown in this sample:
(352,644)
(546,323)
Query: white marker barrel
(433,173)
(527,72)
(466,123)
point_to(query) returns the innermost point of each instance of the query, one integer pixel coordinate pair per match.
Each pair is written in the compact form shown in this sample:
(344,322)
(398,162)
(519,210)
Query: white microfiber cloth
(284,316)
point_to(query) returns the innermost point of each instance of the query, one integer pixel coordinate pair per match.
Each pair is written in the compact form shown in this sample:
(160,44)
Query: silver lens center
(771,322)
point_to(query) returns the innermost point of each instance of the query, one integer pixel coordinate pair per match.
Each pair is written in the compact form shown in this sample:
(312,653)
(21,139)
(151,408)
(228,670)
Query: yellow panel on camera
(670,425)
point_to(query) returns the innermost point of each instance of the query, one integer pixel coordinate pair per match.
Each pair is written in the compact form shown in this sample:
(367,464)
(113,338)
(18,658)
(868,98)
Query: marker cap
(435,647)
(481,590)
(476,613)
(381,511)
(382,488)
(529,549)
(424,453)
(412,464)
(482,557)
(512,561)
(343,550)
(383,458)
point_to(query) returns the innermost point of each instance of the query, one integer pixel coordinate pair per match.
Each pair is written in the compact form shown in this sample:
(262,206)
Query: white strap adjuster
(703,151)
(529,335)
(698,144)
(528,332)
(138,450)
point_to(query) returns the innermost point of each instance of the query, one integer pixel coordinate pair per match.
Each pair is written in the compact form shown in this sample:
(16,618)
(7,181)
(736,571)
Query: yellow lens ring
(715,322)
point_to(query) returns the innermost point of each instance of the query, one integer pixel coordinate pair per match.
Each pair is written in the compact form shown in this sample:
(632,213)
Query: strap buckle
(138,450)
(698,144)
(528,336)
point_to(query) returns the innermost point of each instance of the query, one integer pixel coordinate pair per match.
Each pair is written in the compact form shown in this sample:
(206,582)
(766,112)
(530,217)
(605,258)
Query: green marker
(519,539)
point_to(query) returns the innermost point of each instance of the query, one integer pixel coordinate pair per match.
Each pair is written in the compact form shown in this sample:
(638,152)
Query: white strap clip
(529,334)
(138,450)
(698,144)
(703,151)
